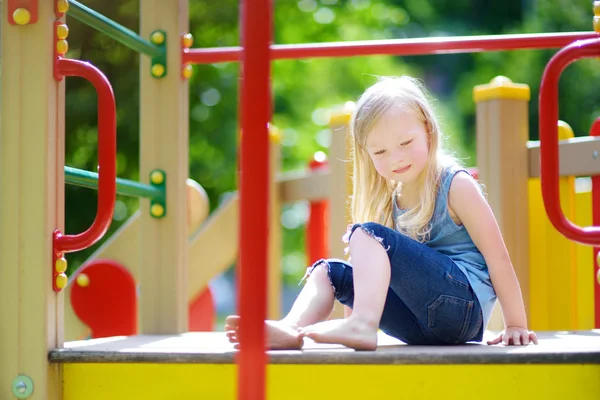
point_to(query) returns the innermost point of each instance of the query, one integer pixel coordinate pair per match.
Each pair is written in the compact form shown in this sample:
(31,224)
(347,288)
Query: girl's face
(398,145)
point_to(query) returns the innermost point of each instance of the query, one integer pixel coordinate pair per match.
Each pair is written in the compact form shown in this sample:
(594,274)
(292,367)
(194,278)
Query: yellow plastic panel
(301,382)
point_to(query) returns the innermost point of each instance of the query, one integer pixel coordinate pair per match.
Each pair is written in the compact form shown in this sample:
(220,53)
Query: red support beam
(254,196)
(398,47)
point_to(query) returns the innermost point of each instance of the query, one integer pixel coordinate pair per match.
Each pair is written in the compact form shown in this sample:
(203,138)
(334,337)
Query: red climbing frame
(255,54)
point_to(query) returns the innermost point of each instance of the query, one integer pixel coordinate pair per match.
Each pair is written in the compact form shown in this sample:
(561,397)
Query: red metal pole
(254,196)
(316,230)
(107,156)
(595,131)
(399,47)
(548,125)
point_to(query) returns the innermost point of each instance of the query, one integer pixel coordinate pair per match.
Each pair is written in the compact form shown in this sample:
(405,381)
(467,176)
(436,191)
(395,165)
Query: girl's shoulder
(447,174)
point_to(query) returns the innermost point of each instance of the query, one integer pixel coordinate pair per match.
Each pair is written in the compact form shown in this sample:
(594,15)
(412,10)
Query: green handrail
(126,187)
(114,30)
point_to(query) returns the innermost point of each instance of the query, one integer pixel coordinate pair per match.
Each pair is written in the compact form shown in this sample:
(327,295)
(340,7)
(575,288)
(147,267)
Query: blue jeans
(429,300)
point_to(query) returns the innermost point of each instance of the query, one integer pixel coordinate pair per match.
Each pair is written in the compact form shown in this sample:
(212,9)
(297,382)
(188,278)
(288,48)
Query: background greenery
(305,91)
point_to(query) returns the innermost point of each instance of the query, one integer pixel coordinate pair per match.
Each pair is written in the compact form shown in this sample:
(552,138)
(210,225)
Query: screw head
(187,40)
(158,70)
(62,46)
(187,71)
(22,387)
(157,177)
(83,280)
(157,210)
(157,37)
(62,31)
(22,16)
(62,6)
(61,265)
(61,281)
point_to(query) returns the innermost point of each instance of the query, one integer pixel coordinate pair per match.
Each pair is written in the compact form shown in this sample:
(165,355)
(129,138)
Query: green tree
(306,90)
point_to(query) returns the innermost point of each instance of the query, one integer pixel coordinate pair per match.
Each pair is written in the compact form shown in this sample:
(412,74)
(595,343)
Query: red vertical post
(254,196)
(317,242)
(595,131)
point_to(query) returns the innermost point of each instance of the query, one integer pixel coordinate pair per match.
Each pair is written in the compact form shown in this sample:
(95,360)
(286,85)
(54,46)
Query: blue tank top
(454,241)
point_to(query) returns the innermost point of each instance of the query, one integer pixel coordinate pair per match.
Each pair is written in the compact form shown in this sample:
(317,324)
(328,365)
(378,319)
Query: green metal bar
(126,187)
(111,28)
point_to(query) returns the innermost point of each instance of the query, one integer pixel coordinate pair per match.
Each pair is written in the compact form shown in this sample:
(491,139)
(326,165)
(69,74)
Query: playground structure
(183,248)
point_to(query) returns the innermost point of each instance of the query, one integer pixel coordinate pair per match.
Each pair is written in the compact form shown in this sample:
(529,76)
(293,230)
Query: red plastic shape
(108,305)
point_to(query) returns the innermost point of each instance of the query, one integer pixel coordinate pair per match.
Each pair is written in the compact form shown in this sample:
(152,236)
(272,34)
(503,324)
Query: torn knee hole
(371,234)
(326,270)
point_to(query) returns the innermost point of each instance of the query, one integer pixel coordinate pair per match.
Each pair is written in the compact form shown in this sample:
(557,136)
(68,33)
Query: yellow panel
(538,260)
(290,382)
(562,268)
(585,264)
(554,274)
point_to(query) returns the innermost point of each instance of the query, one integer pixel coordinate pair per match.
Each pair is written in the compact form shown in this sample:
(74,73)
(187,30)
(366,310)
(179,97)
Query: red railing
(254,196)
(404,47)
(256,55)
(548,125)
(107,153)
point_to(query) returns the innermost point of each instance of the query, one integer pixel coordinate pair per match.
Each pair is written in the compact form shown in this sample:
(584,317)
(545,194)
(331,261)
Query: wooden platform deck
(561,347)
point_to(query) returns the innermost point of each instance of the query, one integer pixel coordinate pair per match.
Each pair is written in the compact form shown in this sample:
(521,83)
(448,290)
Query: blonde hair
(372,194)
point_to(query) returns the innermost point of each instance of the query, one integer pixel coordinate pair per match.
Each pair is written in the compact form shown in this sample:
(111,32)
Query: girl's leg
(371,269)
(428,299)
(433,288)
(314,304)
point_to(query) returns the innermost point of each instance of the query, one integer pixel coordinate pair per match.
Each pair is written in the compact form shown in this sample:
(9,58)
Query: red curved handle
(107,154)
(548,121)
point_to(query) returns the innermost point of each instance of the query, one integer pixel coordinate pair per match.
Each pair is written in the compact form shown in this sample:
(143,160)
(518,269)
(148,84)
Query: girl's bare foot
(349,332)
(280,336)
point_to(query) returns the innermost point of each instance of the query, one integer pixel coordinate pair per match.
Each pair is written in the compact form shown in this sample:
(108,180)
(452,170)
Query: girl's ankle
(362,319)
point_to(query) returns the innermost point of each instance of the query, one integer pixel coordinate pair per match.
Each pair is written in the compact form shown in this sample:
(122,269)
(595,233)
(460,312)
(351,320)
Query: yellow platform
(201,366)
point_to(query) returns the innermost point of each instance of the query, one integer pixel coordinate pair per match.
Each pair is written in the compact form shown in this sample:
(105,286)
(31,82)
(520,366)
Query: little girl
(427,259)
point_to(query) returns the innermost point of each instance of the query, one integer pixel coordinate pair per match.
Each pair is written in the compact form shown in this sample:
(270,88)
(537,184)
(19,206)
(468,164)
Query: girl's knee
(320,270)
(337,273)
(360,233)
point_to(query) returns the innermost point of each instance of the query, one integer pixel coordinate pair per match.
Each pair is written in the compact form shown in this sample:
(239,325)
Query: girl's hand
(515,335)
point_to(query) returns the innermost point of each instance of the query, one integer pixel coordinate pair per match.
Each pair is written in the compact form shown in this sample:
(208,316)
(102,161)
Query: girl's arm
(467,202)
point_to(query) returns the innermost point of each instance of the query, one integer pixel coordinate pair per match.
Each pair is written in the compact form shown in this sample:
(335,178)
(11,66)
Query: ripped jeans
(429,300)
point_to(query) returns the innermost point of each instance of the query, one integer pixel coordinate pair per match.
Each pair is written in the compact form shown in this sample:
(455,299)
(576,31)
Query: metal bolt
(595,154)
(21,387)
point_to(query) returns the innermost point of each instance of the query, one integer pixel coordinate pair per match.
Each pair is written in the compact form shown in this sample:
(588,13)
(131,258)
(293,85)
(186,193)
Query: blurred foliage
(305,91)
